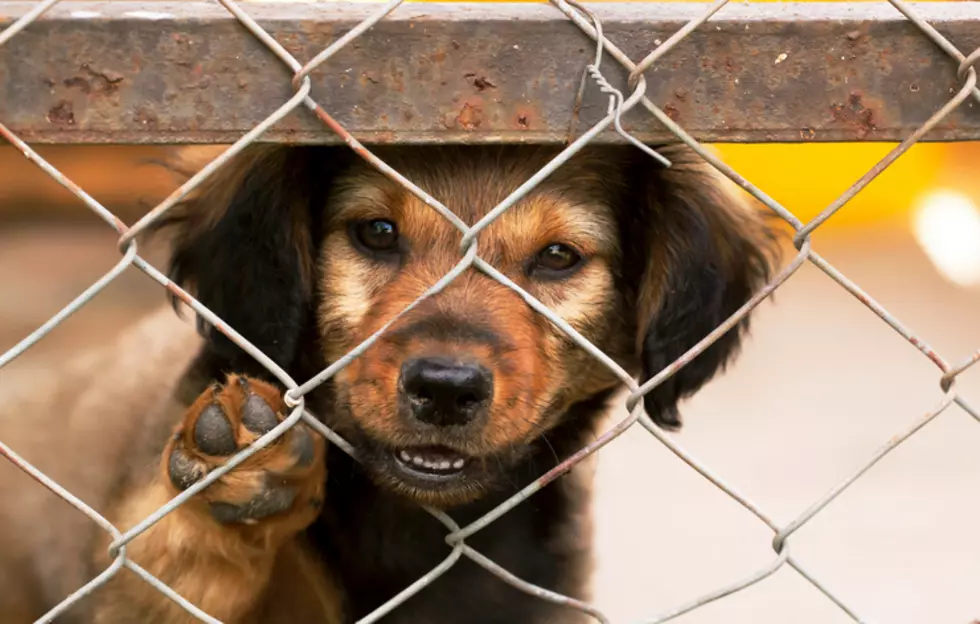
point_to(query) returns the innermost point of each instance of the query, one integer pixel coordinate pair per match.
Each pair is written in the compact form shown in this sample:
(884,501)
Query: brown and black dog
(307,251)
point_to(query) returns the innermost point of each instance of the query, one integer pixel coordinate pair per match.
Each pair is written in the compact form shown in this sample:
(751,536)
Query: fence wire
(456,535)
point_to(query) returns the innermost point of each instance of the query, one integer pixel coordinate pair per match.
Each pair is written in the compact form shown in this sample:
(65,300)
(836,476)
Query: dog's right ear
(704,252)
(244,245)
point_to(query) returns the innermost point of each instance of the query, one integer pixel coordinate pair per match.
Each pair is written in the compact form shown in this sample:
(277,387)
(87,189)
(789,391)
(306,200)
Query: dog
(307,251)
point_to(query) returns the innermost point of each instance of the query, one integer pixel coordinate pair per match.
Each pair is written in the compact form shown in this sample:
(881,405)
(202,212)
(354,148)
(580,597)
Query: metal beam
(188,72)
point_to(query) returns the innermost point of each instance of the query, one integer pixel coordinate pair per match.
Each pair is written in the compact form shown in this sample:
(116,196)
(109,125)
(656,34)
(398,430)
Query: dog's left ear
(700,253)
(244,246)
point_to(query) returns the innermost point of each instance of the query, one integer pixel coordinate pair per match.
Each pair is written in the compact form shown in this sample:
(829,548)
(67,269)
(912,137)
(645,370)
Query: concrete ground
(822,384)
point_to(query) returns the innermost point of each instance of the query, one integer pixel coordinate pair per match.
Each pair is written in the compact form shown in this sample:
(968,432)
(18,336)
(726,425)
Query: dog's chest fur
(380,545)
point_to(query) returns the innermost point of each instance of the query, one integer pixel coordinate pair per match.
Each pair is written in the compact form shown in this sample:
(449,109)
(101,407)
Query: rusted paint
(146,117)
(523,119)
(855,114)
(471,116)
(62,114)
(104,81)
(479,81)
(369,77)
(853,72)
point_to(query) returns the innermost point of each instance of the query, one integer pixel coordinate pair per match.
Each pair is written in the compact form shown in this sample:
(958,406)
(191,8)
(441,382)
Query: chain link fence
(606,52)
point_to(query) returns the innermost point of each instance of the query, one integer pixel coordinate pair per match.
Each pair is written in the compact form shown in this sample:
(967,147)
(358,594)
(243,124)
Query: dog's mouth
(430,464)
(431,472)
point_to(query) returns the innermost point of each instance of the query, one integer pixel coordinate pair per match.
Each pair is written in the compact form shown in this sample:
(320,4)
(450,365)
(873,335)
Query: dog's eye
(377,235)
(557,258)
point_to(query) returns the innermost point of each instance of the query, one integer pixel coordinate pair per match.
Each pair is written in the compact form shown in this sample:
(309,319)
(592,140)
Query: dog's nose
(444,393)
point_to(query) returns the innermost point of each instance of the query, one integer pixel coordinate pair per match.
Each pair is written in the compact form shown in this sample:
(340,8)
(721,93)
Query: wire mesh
(456,535)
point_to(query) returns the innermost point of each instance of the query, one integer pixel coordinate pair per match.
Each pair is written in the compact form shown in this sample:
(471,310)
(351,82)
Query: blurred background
(820,386)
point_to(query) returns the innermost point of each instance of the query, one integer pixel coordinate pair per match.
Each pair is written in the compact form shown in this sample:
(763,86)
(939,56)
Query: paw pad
(184,470)
(257,416)
(213,433)
(281,479)
(271,500)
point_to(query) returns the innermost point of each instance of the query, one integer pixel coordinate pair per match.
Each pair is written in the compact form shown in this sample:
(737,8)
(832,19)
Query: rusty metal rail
(187,72)
(116,72)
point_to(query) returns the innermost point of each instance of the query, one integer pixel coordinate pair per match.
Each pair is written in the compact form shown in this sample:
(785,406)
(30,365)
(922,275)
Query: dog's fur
(300,534)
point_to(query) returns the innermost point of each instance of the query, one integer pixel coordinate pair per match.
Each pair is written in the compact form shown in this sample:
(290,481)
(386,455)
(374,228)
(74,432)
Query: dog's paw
(280,487)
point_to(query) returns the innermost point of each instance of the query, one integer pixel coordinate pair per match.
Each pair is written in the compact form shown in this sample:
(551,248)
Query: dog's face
(457,388)
(461,388)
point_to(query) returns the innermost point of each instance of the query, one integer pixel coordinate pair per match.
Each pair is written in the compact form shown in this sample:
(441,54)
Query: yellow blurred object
(806,178)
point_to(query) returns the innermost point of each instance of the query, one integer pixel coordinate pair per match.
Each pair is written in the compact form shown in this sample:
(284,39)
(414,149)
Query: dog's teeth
(436,464)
